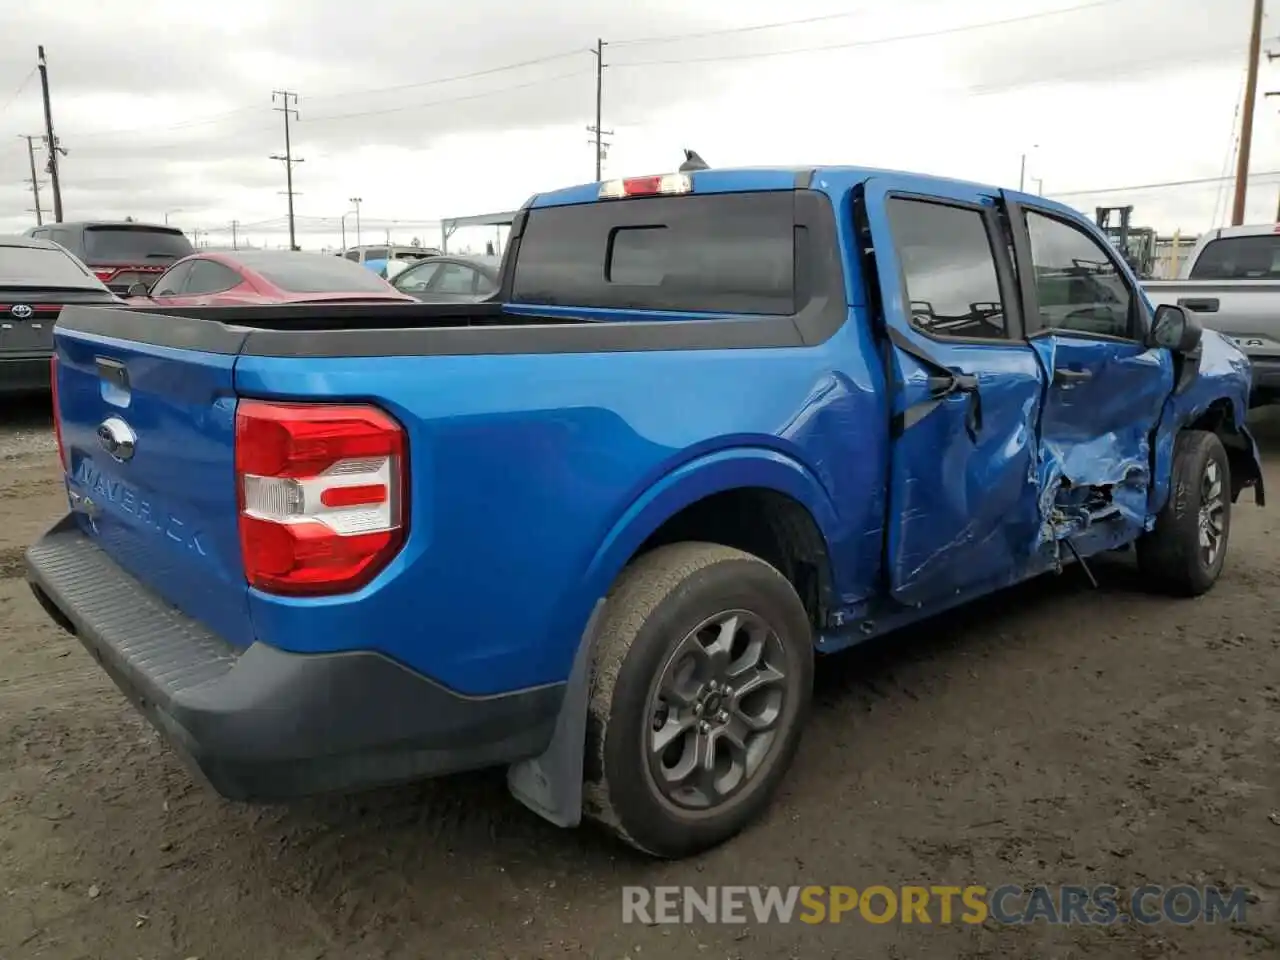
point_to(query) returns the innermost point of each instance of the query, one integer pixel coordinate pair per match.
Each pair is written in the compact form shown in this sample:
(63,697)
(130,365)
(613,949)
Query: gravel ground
(1052,734)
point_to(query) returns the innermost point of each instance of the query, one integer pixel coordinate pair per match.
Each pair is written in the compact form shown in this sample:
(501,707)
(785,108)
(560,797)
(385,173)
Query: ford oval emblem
(21,311)
(117,438)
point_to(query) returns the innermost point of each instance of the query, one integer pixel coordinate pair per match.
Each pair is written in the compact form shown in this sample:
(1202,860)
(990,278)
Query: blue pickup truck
(596,529)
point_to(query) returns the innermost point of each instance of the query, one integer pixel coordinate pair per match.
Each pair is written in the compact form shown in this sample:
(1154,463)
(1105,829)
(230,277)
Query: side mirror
(1176,329)
(138,290)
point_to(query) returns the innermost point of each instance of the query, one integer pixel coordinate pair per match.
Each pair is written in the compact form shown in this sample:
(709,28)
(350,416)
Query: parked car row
(37,279)
(117,264)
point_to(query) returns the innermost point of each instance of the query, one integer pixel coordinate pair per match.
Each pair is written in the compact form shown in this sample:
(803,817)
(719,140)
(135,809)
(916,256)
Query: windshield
(134,244)
(1239,258)
(314,273)
(41,267)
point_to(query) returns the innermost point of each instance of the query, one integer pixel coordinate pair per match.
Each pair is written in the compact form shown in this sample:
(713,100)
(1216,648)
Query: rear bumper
(24,374)
(262,724)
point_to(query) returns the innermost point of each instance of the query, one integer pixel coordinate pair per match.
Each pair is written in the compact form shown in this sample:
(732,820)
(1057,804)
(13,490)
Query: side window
(353,255)
(170,283)
(375,253)
(40,234)
(209,277)
(1078,283)
(63,238)
(949,269)
(456,279)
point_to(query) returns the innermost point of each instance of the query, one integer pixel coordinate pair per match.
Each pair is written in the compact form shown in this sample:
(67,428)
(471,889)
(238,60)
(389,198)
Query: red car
(248,277)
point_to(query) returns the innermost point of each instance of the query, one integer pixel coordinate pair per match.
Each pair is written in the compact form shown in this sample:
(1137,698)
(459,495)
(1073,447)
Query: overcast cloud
(168,110)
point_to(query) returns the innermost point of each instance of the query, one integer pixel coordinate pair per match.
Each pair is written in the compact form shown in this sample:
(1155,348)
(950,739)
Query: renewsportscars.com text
(1007,904)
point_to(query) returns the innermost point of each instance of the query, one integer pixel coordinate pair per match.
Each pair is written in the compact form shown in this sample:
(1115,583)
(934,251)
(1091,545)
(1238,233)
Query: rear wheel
(704,674)
(1186,551)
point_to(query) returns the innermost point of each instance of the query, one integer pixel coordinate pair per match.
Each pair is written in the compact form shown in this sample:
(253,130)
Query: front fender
(1217,394)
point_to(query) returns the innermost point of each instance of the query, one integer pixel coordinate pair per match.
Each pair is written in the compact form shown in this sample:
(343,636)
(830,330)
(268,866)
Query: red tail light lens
(322,490)
(106,274)
(57,413)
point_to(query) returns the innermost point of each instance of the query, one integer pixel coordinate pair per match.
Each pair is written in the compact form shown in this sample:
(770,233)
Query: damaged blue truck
(597,530)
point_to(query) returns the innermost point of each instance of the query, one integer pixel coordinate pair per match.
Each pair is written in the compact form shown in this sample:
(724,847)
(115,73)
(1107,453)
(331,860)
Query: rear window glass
(135,244)
(722,253)
(1239,258)
(313,273)
(34,267)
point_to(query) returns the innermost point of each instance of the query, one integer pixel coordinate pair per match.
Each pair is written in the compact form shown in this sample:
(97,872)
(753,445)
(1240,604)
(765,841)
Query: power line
(1257,175)
(876,41)
(565,54)
(754,28)
(18,92)
(437,81)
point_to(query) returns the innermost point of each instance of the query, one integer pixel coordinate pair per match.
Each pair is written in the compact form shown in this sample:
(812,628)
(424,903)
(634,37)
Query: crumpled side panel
(1094,461)
(963,512)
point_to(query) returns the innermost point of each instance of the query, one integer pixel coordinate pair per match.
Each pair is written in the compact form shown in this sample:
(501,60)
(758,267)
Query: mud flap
(551,784)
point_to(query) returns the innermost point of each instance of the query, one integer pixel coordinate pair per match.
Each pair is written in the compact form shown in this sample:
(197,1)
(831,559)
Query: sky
(430,110)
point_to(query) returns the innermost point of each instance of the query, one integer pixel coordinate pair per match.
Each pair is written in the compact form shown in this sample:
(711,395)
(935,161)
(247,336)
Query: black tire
(656,604)
(1171,557)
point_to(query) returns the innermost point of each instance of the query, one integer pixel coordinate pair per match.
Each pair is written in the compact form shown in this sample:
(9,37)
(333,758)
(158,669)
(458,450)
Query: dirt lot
(1051,735)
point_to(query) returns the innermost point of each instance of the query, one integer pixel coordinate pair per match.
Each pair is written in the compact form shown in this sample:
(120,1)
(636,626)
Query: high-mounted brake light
(57,413)
(322,492)
(666,183)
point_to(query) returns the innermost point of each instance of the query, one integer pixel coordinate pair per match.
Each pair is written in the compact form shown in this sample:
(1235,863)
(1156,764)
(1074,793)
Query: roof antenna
(693,162)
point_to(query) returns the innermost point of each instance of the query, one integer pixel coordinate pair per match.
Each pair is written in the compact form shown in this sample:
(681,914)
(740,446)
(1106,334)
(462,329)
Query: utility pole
(1246,116)
(357,201)
(599,132)
(289,159)
(235,243)
(52,141)
(35,184)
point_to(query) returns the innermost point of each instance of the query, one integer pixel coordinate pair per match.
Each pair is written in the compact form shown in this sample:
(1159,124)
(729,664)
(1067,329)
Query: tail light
(57,413)
(322,492)
(666,184)
(105,274)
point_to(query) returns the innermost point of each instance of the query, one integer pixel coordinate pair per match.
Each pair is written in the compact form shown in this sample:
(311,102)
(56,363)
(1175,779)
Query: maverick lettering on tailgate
(116,493)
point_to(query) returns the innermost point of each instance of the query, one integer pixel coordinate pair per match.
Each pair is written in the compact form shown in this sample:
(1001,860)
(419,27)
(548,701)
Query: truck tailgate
(148,438)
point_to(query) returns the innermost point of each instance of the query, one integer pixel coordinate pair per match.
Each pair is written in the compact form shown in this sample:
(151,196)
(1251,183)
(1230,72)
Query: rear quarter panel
(533,477)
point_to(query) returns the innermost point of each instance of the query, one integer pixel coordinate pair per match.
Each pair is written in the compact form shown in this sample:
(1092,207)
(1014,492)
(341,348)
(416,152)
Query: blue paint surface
(534,478)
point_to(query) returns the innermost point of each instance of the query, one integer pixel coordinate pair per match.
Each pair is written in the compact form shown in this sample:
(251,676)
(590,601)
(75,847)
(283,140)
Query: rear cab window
(1239,258)
(731,253)
(42,267)
(129,244)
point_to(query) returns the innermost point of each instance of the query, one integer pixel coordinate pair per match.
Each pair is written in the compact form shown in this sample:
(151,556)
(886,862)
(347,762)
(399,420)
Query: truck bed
(1246,311)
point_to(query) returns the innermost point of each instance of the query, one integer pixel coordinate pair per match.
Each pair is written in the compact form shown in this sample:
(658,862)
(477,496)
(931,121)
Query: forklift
(1136,244)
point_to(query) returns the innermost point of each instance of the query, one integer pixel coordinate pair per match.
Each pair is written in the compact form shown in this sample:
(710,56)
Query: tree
(415,242)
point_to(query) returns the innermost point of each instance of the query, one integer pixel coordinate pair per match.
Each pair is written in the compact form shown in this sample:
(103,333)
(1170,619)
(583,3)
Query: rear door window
(126,244)
(715,253)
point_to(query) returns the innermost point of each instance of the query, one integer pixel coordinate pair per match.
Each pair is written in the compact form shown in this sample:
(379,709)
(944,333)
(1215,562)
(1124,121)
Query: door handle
(1071,376)
(1200,304)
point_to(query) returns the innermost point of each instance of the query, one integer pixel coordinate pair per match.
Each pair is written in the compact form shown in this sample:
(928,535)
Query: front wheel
(703,678)
(1186,551)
